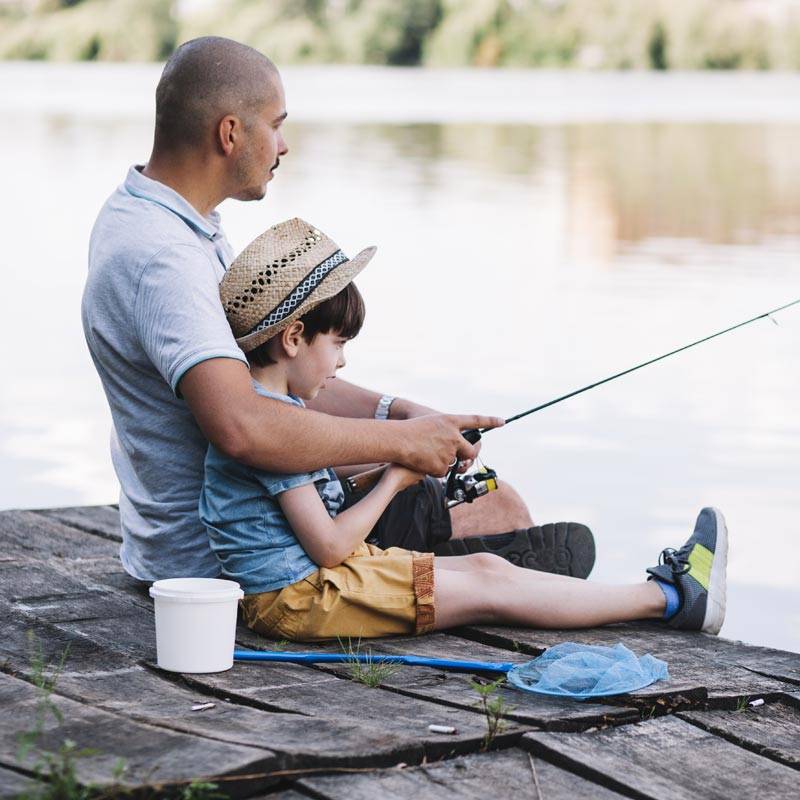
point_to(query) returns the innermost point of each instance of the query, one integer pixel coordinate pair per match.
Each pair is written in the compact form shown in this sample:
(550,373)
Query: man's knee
(513,506)
(498,512)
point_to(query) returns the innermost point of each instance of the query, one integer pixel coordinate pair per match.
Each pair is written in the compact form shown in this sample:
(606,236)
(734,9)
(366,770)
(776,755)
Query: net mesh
(581,671)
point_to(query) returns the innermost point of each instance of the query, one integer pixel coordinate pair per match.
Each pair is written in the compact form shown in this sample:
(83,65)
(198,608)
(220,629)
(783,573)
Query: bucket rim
(190,590)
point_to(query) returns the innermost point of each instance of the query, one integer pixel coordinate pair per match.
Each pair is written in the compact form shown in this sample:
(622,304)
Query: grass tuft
(370,673)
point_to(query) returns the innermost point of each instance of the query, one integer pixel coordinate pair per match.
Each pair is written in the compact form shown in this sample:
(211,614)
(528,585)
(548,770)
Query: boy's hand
(434,441)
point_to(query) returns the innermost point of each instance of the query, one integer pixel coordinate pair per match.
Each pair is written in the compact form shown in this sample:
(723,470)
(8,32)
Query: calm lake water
(536,232)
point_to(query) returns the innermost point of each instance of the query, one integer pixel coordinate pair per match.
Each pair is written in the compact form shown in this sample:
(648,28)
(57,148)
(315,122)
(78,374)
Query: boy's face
(315,364)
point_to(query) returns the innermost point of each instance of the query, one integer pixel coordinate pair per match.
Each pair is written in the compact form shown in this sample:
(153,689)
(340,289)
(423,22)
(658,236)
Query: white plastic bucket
(195,623)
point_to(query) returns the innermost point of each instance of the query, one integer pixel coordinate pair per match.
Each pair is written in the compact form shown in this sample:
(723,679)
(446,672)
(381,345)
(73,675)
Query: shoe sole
(562,548)
(717,585)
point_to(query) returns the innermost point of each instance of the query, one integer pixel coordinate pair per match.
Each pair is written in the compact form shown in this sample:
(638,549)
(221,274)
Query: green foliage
(742,704)
(56,770)
(602,34)
(200,790)
(102,30)
(494,707)
(372,673)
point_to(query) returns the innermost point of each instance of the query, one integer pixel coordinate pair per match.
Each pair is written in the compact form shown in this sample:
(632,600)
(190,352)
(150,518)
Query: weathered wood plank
(13,784)
(509,773)
(98,520)
(696,661)
(29,533)
(666,759)
(770,730)
(343,725)
(454,690)
(151,754)
(103,679)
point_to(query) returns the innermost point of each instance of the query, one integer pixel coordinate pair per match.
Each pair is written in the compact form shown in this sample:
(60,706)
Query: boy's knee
(489,563)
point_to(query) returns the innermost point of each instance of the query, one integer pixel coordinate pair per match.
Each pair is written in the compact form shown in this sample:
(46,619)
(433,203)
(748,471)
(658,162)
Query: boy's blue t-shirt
(247,529)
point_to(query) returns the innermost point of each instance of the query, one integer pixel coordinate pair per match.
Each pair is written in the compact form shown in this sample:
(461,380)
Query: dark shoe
(564,548)
(698,572)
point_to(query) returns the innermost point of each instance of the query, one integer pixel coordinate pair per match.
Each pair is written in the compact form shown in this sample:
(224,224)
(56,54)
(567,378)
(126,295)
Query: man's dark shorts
(416,519)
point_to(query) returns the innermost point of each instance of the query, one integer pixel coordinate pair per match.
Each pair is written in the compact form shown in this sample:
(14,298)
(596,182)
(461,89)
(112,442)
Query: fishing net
(580,671)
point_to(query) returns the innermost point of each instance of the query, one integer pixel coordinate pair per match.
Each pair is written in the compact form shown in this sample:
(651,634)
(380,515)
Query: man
(173,375)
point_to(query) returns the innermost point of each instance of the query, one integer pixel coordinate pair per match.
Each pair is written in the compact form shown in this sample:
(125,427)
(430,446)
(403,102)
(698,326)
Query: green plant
(362,668)
(56,771)
(742,703)
(200,790)
(494,707)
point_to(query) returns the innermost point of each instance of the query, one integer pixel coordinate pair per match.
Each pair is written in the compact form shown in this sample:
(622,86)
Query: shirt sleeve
(178,314)
(275,484)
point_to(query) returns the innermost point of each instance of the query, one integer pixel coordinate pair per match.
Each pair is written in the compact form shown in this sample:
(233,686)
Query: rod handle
(364,481)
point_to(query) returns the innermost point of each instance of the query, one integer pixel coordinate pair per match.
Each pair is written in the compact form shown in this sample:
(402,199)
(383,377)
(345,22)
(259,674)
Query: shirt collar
(140,185)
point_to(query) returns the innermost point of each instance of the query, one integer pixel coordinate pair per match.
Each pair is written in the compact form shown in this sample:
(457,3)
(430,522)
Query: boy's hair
(343,313)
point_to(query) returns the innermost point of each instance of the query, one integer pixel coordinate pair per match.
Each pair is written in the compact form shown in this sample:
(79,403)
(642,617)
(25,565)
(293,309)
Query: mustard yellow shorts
(373,592)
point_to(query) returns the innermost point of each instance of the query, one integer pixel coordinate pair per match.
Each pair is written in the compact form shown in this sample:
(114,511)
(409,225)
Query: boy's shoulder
(284,398)
(222,468)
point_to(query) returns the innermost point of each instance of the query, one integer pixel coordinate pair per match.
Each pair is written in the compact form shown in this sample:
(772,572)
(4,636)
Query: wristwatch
(384,404)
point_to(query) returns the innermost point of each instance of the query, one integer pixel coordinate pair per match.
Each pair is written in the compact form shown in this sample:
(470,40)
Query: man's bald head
(204,80)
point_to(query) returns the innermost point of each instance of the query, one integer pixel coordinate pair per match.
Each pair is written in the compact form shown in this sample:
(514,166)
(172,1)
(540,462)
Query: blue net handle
(368,658)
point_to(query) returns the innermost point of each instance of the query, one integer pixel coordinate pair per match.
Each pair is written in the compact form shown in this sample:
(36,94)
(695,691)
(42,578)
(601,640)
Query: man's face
(262,147)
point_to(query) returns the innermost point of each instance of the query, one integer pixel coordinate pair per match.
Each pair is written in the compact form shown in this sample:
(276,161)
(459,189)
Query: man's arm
(344,399)
(277,436)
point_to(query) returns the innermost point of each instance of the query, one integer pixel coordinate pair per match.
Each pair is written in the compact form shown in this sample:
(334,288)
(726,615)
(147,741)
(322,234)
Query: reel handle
(364,481)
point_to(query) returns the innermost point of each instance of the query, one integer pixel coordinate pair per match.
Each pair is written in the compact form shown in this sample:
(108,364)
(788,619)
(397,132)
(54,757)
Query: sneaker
(697,571)
(563,548)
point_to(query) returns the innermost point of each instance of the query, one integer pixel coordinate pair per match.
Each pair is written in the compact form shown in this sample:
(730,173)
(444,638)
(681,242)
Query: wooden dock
(289,732)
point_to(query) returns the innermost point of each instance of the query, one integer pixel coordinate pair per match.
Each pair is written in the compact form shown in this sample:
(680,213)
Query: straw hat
(282,275)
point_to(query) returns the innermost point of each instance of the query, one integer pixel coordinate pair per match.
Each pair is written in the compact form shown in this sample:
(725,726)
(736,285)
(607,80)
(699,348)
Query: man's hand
(407,409)
(435,440)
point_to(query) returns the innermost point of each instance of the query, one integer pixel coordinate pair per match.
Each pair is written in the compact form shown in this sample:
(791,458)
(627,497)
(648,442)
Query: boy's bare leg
(497,512)
(484,588)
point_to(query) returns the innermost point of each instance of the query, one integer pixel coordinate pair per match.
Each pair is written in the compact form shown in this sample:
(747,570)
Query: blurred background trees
(588,34)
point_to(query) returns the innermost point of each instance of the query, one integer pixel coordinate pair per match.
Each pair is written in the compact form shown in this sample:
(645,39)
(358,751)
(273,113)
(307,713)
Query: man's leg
(418,519)
(497,512)
(500,523)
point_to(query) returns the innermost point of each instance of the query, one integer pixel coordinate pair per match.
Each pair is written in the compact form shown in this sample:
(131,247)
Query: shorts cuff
(422,572)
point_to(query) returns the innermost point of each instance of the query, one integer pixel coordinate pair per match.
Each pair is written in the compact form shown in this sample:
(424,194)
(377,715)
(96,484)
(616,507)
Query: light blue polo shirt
(151,311)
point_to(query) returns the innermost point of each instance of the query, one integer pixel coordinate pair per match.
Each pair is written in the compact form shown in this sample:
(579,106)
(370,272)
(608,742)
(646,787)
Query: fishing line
(646,363)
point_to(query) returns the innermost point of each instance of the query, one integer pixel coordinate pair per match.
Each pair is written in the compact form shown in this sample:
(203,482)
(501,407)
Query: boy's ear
(291,336)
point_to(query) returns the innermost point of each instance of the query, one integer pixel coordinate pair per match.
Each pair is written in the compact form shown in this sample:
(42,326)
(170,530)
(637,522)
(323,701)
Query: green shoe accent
(700,561)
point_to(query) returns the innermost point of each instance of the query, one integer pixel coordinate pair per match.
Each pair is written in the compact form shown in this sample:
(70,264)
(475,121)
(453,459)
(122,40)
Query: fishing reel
(458,488)
(469,486)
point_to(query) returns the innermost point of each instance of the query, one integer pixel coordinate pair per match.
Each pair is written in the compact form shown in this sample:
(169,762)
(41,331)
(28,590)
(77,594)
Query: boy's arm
(328,541)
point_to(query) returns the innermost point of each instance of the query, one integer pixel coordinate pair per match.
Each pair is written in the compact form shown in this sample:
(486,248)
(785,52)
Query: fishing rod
(468,487)
(470,435)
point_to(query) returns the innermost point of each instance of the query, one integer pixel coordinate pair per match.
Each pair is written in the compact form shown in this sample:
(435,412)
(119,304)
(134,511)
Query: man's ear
(291,337)
(229,131)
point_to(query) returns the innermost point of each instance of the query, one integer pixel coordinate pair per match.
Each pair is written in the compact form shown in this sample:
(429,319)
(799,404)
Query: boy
(302,562)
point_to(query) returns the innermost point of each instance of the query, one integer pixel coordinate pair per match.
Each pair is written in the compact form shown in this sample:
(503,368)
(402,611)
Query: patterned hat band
(300,293)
